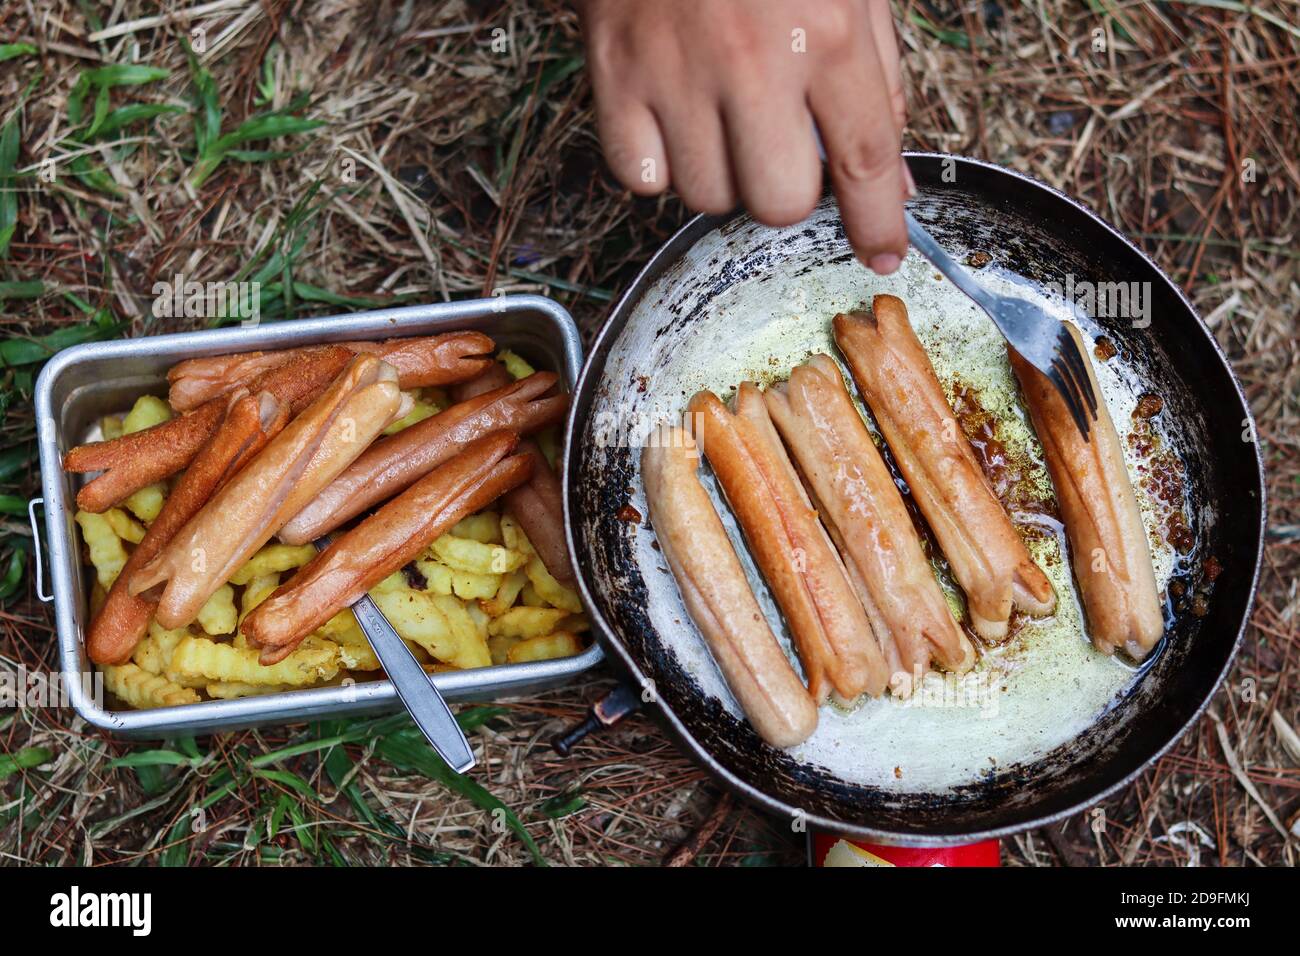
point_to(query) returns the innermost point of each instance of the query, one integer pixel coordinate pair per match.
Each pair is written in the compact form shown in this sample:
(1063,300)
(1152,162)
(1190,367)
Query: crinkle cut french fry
(507,593)
(544,648)
(355,651)
(147,412)
(105,547)
(480,619)
(438,576)
(527,622)
(256,591)
(311,662)
(218,615)
(499,647)
(438,623)
(144,691)
(470,586)
(513,536)
(550,590)
(420,410)
(147,503)
(154,652)
(124,526)
(466,554)
(484,527)
(515,364)
(273,558)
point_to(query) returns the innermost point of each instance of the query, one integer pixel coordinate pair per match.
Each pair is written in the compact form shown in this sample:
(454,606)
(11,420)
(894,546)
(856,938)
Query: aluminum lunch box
(81,384)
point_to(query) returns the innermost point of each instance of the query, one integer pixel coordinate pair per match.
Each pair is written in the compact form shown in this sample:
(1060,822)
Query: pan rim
(616,322)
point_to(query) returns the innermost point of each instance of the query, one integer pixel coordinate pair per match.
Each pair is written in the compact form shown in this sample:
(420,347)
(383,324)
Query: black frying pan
(726,287)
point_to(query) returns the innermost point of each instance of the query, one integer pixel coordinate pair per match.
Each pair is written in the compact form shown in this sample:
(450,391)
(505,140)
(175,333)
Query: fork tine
(1070,349)
(1059,376)
(1072,377)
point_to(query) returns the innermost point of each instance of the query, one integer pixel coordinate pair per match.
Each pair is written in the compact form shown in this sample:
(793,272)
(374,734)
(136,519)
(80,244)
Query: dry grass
(478,171)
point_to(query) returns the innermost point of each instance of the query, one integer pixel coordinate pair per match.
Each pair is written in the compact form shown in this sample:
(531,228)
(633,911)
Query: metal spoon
(416,689)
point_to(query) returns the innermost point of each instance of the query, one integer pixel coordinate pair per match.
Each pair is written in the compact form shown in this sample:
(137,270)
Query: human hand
(719,98)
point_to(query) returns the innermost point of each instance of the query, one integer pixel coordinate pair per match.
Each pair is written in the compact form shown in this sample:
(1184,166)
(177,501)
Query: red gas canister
(830,849)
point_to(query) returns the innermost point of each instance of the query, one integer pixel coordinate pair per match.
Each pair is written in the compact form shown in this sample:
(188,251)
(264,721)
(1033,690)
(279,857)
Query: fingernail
(884,264)
(908,182)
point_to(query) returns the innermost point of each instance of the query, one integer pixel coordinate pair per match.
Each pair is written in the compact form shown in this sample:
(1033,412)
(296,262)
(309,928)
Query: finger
(881,20)
(774,157)
(697,154)
(633,145)
(851,106)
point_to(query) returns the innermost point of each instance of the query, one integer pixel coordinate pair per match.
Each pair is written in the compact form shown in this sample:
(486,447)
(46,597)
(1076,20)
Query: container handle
(36,551)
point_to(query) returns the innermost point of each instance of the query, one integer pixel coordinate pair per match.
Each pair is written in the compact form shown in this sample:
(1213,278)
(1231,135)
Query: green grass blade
(20,351)
(25,759)
(13,575)
(15,459)
(9,51)
(154,758)
(124,74)
(22,289)
(125,116)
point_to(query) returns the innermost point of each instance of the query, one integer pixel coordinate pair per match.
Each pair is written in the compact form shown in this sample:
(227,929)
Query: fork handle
(928,247)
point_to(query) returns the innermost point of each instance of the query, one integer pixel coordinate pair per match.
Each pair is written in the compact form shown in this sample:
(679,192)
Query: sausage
(288,472)
(494,377)
(248,424)
(1108,542)
(717,595)
(808,579)
(390,538)
(987,556)
(864,510)
(538,506)
(420,361)
(394,463)
(295,377)
(133,461)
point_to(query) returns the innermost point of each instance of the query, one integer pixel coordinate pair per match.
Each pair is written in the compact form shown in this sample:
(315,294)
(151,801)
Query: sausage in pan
(717,595)
(791,548)
(868,520)
(987,556)
(1108,542)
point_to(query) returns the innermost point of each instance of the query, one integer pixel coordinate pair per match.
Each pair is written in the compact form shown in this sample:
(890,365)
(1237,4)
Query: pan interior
(745,302)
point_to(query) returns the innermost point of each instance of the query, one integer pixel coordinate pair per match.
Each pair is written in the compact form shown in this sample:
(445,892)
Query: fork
(1044,342)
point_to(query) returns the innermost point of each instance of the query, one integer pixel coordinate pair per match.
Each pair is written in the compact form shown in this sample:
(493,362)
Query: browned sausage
(289,471)
(391,537)
(538,506)
(394,463)
(1108,542)
(808,580)
(869,522)
(987,556)
(250,422)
